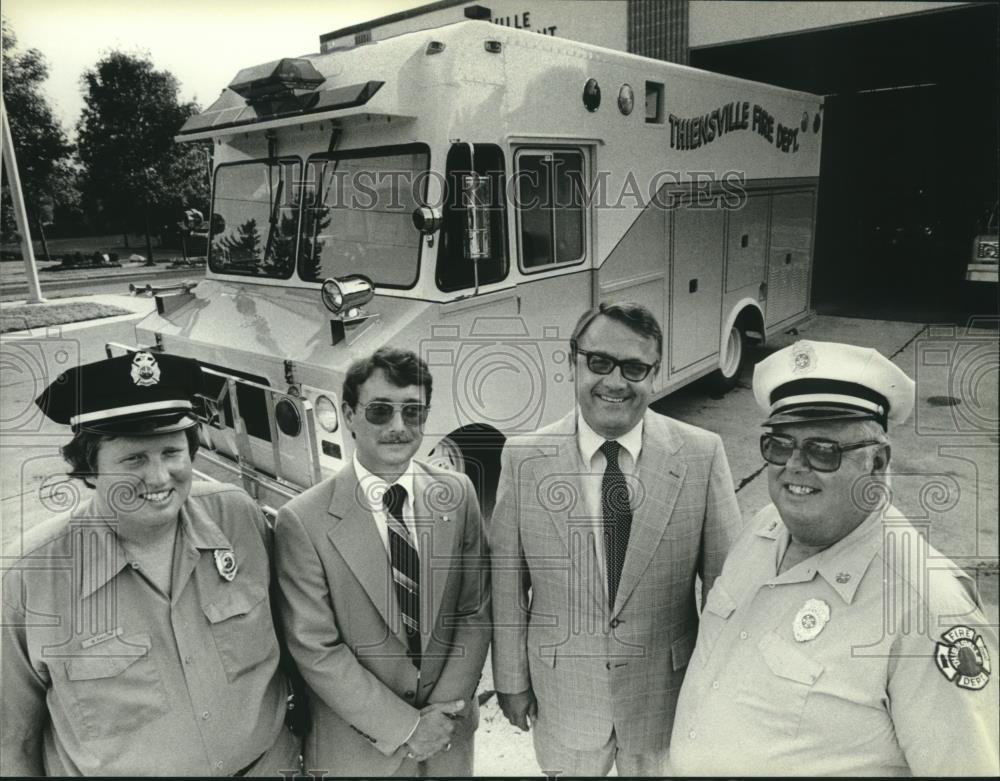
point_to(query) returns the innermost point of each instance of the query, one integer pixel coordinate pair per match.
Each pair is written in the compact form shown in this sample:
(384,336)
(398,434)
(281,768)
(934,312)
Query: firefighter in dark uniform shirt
(137,637)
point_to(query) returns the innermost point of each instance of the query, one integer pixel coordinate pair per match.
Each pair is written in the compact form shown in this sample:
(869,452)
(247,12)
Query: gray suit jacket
(595,667)
(343,625)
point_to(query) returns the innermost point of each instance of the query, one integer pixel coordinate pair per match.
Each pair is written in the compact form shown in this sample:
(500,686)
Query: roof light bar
(278,79)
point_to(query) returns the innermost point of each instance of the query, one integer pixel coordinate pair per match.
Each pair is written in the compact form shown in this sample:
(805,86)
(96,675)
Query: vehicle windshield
(359,215)
(255,219)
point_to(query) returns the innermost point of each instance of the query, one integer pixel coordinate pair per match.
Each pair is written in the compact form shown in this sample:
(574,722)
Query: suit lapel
(660,476)
(435,527)
(355,535)
(566,466)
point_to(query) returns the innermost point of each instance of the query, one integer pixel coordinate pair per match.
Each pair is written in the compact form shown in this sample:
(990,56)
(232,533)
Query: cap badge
(803,359)
(225,563)
(963,659)
(810,620)
(145,370)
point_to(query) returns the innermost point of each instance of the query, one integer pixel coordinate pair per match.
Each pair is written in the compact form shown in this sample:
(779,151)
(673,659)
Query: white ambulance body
(599,176)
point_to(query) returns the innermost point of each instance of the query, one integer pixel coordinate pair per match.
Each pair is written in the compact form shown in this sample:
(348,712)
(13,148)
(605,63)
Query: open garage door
(909,152)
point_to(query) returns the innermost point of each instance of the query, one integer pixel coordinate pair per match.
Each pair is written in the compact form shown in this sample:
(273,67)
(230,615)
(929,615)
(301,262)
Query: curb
(126,276)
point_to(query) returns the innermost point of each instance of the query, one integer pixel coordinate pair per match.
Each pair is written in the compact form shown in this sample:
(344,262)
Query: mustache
(395,439)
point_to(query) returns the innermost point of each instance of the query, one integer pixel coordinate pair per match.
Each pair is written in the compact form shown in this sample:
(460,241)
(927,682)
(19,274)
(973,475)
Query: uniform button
(218,765)
(770,585)
(692,734)
(134,565)
(206,716)
(743,635)
(715,685)
(188,660)
(409,695)
(614,623)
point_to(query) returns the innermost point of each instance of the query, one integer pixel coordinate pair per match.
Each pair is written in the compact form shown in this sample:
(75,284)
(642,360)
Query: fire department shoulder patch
(962,658)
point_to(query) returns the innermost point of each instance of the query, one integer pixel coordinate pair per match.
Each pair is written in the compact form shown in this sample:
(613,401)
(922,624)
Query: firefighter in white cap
(837,641)
(137,637)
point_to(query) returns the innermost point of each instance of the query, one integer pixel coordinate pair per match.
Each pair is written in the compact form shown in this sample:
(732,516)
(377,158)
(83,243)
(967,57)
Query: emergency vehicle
(467,192)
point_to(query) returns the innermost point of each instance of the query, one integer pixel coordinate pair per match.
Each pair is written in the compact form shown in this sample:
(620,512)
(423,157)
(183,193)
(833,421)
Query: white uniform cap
(813,381)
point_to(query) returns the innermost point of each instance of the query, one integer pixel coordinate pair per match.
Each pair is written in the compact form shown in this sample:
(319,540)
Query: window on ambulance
(550,208)
(255,214)
(454,271)
(358,217)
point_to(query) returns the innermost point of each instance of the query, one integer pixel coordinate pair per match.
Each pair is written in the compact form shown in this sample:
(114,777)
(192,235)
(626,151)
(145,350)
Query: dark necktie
(617,518)
(405,569)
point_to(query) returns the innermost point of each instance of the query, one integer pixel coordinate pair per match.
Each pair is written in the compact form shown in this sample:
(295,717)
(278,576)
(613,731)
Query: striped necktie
(405,569)
(617,518)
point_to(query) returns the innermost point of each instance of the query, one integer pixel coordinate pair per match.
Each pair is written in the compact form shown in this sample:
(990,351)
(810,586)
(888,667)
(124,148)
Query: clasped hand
(434,730)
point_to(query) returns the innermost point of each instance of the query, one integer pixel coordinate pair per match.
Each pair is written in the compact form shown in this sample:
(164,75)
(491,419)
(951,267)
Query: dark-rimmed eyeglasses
(380,412)
(823,455)
(632,370)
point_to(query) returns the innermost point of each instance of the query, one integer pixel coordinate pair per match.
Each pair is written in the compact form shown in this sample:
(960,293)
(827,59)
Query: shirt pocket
(778,696)
(719,606)
(116,687)
(242,628)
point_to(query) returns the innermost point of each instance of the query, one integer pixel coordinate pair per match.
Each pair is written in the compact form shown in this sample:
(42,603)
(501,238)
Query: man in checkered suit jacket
(595,603)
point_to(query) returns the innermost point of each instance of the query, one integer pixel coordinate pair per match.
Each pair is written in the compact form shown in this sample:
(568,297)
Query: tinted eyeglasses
(823,455)
(632,370)
(380,412)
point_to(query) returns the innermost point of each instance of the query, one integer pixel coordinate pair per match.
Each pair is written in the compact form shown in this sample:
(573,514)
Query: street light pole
(20,215)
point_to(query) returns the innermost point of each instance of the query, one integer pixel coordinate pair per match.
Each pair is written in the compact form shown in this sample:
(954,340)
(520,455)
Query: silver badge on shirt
(225,563)
(810,620)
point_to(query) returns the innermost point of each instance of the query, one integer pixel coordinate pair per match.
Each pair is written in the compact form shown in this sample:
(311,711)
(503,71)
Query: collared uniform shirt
(872,657)
(104,675)
(589,442)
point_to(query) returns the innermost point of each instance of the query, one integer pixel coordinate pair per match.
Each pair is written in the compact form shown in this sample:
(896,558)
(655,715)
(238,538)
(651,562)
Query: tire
(731,361)
(476,453)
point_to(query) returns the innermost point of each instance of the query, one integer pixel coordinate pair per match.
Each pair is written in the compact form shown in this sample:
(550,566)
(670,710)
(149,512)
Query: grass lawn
(20,318)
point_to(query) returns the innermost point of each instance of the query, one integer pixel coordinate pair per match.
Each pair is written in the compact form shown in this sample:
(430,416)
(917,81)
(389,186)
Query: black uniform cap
(139,394)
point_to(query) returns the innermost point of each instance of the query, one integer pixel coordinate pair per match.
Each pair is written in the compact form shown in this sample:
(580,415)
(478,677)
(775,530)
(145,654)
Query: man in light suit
(606,516)
(384,591)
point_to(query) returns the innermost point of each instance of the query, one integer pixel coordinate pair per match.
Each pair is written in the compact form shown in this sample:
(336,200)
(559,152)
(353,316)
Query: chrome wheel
(732,354)
(447,455)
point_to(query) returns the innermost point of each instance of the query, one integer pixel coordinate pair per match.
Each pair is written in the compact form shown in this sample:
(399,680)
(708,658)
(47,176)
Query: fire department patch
(962,658)
(145,369)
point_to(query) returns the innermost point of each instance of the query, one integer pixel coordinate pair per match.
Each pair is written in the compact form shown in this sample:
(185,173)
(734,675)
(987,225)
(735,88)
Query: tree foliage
(40,144)
(133,169)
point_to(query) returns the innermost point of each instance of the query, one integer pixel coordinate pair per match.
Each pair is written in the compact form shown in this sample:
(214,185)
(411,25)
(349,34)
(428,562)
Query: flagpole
(20,214)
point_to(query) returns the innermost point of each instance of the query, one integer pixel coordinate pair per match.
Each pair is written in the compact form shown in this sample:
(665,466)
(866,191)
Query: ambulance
(467,192)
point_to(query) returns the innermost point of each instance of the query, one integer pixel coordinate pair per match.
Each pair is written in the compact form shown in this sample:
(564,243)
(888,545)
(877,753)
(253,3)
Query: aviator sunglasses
(380,412)
(632,370)
(823,455)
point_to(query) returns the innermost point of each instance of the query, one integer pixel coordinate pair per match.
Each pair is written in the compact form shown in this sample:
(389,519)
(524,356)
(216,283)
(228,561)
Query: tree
(43,153)
(135,174)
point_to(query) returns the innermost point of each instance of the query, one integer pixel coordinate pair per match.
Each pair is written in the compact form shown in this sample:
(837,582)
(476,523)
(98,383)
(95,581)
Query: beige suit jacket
(595,667)
(344,630)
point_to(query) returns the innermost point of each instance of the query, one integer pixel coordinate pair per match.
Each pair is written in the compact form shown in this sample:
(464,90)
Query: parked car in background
(983,262)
